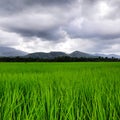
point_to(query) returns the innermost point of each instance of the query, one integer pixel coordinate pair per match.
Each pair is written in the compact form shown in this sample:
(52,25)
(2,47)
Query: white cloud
(85,25)
(9,39)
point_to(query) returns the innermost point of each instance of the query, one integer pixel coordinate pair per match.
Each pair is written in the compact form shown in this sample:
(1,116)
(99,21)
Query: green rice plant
(60,91)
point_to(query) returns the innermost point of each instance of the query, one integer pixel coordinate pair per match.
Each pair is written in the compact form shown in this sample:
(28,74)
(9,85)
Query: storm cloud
(61,25)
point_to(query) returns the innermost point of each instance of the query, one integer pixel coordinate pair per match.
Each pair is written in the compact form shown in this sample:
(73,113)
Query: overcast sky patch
(61,25)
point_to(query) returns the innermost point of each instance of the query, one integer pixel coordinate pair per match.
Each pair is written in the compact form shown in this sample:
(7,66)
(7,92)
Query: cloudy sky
(91,26)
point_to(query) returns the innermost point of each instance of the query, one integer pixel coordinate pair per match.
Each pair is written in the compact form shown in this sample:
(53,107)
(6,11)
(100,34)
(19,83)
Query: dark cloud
(89,2)
(51,35)
(48,2)
(13,6)
(89,35)
(36,21)
(76,21)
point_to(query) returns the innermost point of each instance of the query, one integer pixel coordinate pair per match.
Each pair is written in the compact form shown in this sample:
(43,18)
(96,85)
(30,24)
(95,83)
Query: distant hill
(78,54)
(52,55)
(109,55)
(10,52)
(43,55)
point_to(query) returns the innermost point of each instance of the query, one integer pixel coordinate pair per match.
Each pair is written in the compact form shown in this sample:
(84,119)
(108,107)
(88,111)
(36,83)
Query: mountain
(108,55)
(78,54)
(10,52)
(43,55)
(52,55)
(113,55)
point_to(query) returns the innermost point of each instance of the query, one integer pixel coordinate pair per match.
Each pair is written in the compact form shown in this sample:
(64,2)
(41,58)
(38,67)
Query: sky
(91,26)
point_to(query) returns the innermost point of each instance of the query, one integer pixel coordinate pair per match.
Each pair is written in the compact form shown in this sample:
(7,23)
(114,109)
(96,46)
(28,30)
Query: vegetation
(59,59)
(60,91)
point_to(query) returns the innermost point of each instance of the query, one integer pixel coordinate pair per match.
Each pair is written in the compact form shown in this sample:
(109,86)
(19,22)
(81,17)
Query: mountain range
(11,52)
(108,55)
(52,55)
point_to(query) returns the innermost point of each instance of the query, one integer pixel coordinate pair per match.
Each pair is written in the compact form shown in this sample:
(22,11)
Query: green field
(60,91)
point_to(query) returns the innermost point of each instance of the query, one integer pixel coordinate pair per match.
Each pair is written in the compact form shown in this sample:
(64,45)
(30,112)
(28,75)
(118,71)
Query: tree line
(59,59)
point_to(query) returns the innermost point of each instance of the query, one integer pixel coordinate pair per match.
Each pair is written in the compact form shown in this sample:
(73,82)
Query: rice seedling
(60,91)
